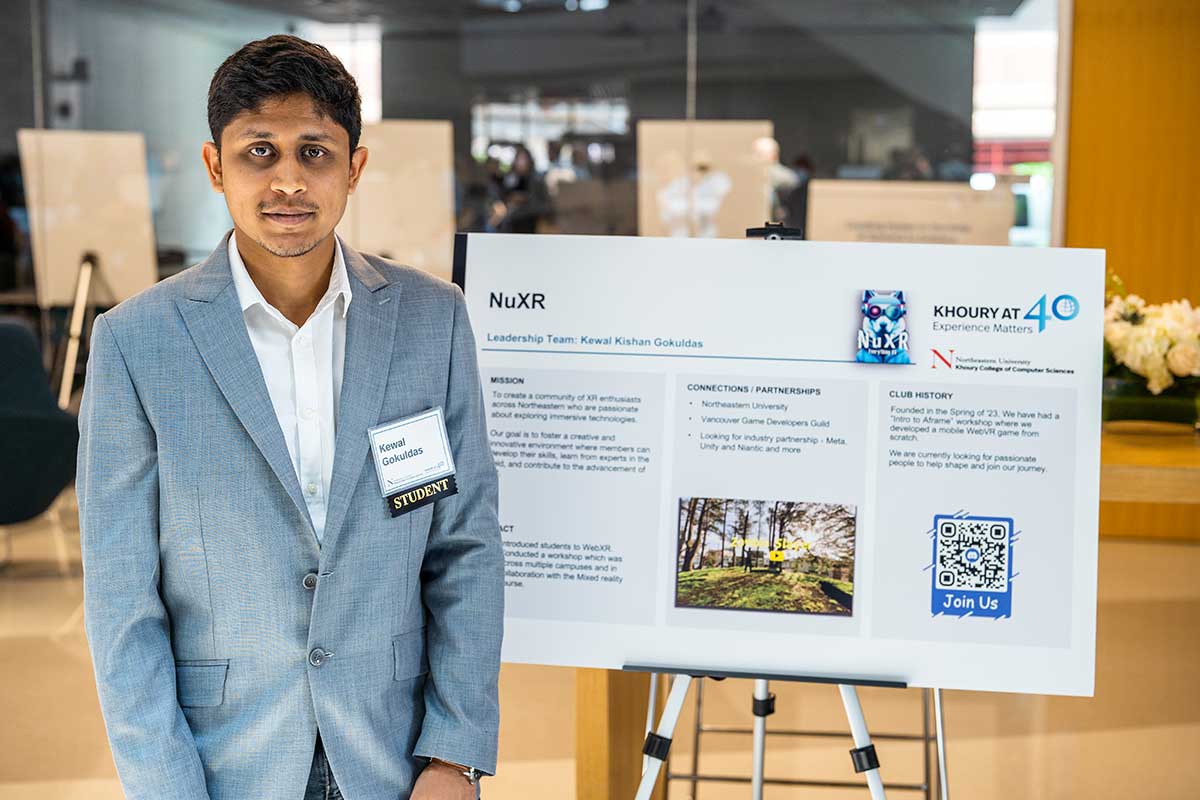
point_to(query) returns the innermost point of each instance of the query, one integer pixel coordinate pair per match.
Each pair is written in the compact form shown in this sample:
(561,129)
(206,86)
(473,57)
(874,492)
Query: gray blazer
(216,664)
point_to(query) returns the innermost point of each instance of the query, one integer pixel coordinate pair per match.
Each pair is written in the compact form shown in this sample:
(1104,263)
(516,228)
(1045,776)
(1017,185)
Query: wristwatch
(470,773)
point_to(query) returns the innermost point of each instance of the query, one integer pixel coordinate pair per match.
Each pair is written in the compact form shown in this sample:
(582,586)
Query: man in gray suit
(267,617)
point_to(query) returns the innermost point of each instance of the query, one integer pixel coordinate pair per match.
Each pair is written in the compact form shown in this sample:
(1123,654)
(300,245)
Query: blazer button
(317,656)
(310,581)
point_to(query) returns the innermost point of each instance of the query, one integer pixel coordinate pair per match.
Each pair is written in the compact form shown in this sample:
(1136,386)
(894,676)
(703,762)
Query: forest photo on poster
(765,555)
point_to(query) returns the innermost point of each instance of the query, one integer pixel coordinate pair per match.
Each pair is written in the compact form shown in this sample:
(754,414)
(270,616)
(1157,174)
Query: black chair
(38,440)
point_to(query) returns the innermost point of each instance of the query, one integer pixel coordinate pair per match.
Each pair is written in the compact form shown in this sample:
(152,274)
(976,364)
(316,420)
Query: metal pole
(690,116)
(925,743)
(690,111)
(943,782)
(761,692)
(650,708)
(1059,155)
(698,729)
(82,289)
(862,738)
(39,63)
(666,729)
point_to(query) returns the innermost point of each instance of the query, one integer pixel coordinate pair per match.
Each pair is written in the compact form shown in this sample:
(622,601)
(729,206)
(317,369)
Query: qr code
(972,553)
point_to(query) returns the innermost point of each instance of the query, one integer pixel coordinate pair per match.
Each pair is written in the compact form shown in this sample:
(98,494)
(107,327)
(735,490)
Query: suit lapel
(213,315)
(370,336)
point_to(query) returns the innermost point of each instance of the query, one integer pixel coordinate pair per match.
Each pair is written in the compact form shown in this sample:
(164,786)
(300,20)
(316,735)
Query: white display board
(88,191)
(859,461)
(702,179)
(925,212)
(403,207)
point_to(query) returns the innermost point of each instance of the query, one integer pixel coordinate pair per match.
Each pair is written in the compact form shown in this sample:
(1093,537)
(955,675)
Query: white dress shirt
(302,367)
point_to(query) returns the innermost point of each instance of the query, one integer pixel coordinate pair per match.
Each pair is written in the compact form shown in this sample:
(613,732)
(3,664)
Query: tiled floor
(1134,739)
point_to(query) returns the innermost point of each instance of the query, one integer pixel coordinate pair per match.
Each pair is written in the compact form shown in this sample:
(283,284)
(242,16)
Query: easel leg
(70,624)
(58,531)
(47,327)
(659,742)
(764,705)
(697,729)
(925,757)
(943,781)
(83,288)
(864,752)
(650,709)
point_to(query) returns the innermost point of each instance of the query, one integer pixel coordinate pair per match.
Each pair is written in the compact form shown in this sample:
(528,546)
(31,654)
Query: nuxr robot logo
(883,335)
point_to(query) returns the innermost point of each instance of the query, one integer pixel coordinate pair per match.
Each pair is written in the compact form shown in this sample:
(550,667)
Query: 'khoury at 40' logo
(883,336)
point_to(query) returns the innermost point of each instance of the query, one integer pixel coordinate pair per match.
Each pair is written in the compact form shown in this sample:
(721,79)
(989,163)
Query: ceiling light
(983,181)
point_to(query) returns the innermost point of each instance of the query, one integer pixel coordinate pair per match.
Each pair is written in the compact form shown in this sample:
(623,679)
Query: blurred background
(1024,123)
(545,97)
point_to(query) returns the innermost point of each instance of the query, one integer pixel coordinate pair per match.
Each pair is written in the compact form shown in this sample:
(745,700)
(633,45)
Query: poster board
(88,191)
(702,179)
(795,458)
(403,208)
(596,207)
(923,212)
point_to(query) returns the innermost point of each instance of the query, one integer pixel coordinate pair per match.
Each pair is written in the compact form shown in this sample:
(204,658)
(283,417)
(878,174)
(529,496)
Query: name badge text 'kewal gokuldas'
(413,461)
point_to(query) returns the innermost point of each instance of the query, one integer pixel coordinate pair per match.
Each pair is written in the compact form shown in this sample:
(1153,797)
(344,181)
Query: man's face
(285,171)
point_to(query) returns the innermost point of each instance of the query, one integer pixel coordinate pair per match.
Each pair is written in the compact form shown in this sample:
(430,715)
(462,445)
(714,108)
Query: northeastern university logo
(883,335)
(942,357)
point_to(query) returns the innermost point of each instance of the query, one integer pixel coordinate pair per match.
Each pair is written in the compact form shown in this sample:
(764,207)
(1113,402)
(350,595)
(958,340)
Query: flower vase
(1126,398)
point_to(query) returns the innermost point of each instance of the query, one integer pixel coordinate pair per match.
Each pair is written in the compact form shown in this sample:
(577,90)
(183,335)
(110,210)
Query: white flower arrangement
(1158,342)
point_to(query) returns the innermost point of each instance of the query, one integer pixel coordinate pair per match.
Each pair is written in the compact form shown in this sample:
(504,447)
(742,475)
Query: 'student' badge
(413,461)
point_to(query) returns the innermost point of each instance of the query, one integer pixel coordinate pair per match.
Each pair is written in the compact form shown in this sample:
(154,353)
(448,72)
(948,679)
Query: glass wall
(898,120)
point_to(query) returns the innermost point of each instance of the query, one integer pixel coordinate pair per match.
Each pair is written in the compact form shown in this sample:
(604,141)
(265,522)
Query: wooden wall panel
(1133,172)
(610,728)
(1150,521)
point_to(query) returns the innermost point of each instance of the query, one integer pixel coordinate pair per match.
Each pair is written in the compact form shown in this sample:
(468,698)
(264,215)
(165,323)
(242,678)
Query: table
(1145,463)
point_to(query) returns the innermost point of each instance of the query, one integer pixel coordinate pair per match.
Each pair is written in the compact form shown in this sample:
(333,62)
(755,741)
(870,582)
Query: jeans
(321,785)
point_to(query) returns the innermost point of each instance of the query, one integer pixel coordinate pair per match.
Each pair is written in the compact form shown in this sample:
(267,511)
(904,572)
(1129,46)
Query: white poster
(704,179)
(924,212)
(403,208)
(88,192)
(856,461)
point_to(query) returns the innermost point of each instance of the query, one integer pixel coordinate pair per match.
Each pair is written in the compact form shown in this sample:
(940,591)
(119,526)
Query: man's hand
(442,782)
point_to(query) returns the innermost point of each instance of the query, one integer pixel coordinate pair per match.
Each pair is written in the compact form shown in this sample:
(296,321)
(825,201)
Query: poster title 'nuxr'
(519,300)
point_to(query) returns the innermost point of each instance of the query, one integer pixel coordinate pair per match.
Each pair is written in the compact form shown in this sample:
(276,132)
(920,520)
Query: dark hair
(277,66)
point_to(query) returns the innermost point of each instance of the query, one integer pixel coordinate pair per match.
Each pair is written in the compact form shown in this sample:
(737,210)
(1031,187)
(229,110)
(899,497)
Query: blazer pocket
(408,654)
(201,683)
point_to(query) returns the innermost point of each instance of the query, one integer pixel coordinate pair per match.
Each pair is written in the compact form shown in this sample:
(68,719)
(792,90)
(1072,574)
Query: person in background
(479,206)
(908,164)
(523,192)
(956,165)
(795,202)
(780,179)
(560,171)
(495,175)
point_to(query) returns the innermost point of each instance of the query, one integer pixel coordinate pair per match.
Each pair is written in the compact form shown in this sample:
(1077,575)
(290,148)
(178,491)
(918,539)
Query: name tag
(413,461)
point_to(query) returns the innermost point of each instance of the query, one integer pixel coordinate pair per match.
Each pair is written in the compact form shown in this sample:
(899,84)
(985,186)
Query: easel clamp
(657,746)
(864,758)
(764,707)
